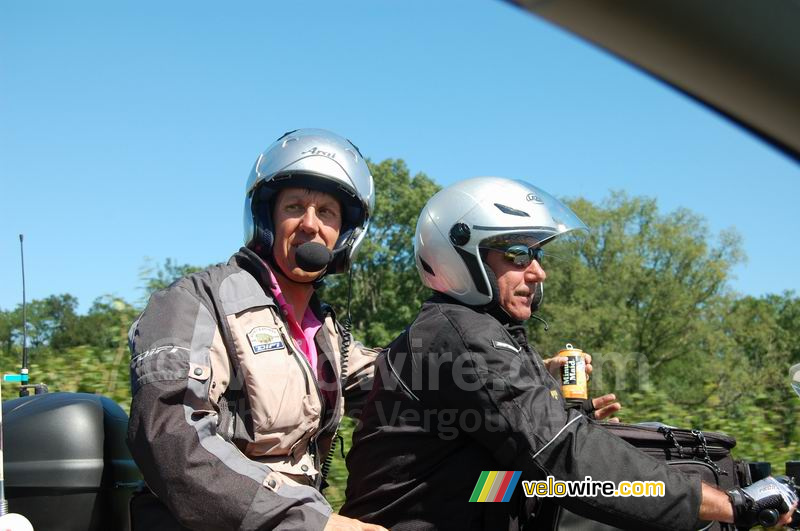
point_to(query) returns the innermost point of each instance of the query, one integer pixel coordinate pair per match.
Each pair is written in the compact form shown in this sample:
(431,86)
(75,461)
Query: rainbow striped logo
(494,486)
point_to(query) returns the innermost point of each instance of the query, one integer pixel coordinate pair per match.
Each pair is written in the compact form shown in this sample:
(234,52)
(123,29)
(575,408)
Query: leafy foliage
(640,282)
(71,352)
(386,291)
(157,277)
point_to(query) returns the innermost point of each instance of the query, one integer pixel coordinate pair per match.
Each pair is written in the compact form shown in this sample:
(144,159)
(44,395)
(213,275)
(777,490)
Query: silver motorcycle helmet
(319,160)
(483,213)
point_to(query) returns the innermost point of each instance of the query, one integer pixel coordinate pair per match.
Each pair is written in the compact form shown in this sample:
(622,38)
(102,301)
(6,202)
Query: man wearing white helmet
(461,391)
(240,375)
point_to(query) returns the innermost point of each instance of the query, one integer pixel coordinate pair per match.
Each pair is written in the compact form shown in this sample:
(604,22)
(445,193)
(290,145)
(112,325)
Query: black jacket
(458,393)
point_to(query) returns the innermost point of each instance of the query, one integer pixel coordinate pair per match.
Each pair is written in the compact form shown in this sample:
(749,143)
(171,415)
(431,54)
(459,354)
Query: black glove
(762,502)
(584,405)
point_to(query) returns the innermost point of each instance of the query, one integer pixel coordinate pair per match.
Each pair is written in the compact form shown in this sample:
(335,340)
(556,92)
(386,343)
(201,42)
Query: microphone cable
(347,340)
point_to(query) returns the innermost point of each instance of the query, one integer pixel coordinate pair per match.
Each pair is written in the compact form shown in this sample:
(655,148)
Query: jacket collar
(256,266)
(516,329)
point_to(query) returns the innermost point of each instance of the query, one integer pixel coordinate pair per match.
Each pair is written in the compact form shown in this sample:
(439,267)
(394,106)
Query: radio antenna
(24,370)
(22,377)
(14,521)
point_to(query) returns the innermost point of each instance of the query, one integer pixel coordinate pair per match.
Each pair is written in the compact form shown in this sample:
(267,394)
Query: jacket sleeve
(205,481)
(525,426)
(360,374)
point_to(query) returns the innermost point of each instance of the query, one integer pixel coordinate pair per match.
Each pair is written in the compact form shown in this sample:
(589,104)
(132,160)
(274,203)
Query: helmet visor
(561,219)
(550,220)
(521,249)
(521,245)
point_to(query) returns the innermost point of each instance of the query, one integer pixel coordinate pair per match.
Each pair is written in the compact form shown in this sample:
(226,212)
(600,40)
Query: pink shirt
(302,333)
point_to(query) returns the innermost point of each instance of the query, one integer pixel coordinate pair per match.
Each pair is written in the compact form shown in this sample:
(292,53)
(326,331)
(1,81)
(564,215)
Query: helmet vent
(428,269)
(512,211)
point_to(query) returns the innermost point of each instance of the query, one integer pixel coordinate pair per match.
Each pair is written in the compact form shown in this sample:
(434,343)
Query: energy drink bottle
(573,374)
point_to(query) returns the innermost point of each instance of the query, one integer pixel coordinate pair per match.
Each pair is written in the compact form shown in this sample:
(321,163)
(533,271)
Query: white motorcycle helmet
(483,213)
(318,160)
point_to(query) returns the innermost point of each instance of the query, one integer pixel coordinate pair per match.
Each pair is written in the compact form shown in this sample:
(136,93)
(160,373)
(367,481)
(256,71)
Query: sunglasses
(522,255)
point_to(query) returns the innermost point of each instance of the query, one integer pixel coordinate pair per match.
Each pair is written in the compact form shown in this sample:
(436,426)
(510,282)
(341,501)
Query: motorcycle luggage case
(67,466)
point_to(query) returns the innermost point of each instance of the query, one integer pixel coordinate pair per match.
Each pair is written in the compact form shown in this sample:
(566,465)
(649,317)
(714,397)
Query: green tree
(764,332)
(52,321)
(787,316)
(642,288)
(9,323)
(159,276)
(386,291)
(77,353)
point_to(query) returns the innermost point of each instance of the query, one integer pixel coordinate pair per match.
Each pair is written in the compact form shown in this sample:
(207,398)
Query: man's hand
(605,406)
(752,503)
(555,363)
(337,522)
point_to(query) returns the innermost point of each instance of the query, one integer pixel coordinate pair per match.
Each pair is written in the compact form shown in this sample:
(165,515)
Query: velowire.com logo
(495,486)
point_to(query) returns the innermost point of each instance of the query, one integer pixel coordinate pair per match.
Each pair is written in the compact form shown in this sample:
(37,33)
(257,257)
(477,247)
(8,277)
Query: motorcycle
(68,466)
(65,464)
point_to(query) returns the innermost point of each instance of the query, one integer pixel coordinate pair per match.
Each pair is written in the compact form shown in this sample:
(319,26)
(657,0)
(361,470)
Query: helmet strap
(493,307)
(538,297)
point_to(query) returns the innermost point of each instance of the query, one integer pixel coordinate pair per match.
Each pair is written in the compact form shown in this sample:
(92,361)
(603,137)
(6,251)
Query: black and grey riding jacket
(459,393)
(228,422)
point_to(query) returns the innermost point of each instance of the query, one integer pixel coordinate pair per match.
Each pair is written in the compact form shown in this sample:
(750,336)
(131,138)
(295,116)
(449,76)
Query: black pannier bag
(707,454)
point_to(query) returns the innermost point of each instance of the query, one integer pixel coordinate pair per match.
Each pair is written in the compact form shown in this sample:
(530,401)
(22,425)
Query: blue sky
(127,130)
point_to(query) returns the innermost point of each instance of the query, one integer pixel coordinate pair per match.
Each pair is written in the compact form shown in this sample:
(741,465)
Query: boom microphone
(313,257)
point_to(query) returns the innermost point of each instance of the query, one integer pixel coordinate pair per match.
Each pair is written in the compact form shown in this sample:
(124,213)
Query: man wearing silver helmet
(461,391)
(240,375)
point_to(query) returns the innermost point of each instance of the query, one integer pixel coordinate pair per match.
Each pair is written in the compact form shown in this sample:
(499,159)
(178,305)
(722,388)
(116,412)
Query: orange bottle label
(573,374)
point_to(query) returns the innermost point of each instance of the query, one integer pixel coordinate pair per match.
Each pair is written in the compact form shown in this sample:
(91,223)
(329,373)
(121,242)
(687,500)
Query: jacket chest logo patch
(264,338)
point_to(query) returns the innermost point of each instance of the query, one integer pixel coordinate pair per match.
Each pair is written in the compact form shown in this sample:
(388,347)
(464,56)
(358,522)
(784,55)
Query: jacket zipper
(321,429)
(305,363)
